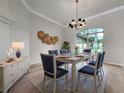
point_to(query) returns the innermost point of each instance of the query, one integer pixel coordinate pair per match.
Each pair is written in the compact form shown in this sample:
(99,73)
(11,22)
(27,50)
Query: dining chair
(63,52)
(91,71)
(92,63)
(56,52)
(51,71)
(87,50)
(68,52)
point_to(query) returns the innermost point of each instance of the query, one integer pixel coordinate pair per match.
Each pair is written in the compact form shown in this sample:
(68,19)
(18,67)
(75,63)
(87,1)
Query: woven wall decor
(46,38)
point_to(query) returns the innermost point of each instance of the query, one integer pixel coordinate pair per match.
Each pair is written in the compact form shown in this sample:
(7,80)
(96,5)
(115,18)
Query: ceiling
(63,11)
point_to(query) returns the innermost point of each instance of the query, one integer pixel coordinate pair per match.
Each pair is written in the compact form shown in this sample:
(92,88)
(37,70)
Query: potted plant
(66,46)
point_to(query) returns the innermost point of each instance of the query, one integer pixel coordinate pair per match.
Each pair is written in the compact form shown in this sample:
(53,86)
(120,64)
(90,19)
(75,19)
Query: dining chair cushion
(87,70)
(59,73)
(92,63)
(59,63)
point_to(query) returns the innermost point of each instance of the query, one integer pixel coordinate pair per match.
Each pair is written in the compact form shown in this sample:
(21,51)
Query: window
(92,38)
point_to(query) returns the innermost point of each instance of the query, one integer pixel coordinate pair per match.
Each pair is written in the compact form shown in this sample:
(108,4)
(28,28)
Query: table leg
(73,77)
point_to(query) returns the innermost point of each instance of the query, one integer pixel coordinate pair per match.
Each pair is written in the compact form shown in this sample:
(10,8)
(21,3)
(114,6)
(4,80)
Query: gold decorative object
(40,34)
(46,35)
(56,38)
(45,38)
(48,41)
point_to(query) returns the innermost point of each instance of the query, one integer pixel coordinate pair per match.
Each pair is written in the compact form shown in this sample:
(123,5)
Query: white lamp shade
(18,45)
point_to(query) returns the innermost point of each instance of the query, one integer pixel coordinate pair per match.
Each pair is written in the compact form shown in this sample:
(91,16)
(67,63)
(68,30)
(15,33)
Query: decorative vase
(18,54)
(76,51)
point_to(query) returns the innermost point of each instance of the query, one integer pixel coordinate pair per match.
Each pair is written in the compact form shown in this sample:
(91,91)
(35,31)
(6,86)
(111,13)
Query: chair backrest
(98,61)
(55,52)
(63,52)
(49,63)
(68,51)
(102,58)
(87,50)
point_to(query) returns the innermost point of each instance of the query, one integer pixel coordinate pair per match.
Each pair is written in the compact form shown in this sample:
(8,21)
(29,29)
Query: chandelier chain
(76,10)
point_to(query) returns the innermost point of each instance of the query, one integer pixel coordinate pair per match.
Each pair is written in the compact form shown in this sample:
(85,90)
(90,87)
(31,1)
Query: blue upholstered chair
(56,52)
(87,51)
(63,52)
(68,52)
(51,70)
(92,63)
(91,71)
(102,60)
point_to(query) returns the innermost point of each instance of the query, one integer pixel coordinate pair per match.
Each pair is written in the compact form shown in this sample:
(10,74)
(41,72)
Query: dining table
(75,59)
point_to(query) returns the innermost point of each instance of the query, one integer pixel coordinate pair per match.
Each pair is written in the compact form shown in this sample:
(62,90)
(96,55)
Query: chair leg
(78,80)
(99,80)
(102,70)
(66,66)
(95,83)
(85,78)
(66,80)
(82,64)
(54,86)
(44,80)
(101,74)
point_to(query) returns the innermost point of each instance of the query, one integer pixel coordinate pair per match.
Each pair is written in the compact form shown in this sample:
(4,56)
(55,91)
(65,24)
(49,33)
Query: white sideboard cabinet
(11,72)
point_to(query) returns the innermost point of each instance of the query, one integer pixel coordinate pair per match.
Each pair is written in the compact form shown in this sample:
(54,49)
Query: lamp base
(18,54)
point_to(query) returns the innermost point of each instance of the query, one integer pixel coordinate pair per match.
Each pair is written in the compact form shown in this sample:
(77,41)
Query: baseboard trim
(114,64)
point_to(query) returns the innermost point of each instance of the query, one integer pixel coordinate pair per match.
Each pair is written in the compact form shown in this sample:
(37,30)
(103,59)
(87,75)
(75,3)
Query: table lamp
(19,46)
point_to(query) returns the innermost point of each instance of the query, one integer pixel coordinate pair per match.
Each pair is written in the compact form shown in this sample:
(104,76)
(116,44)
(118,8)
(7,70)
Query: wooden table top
(75,58)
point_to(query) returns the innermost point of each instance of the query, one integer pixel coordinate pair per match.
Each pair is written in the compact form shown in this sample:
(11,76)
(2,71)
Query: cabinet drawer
(21,68)
(9,81)
(10,70)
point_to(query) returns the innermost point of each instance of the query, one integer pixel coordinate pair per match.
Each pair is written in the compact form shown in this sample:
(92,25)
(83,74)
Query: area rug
(86,85)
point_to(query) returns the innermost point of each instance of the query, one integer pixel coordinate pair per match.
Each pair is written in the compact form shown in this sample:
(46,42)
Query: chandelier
(78,23)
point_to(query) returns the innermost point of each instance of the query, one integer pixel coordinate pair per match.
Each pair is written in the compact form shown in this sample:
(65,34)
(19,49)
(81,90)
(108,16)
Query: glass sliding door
(90,38)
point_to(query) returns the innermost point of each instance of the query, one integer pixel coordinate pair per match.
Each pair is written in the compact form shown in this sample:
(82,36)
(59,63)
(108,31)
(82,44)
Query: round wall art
(46,38)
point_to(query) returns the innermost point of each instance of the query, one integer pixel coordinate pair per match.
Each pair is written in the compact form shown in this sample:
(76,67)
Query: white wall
(70,36)
(113,25)
(4,10)
(36,46)
(26,25)
(20,28)
(4,39)
(5,18)
(14,25)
